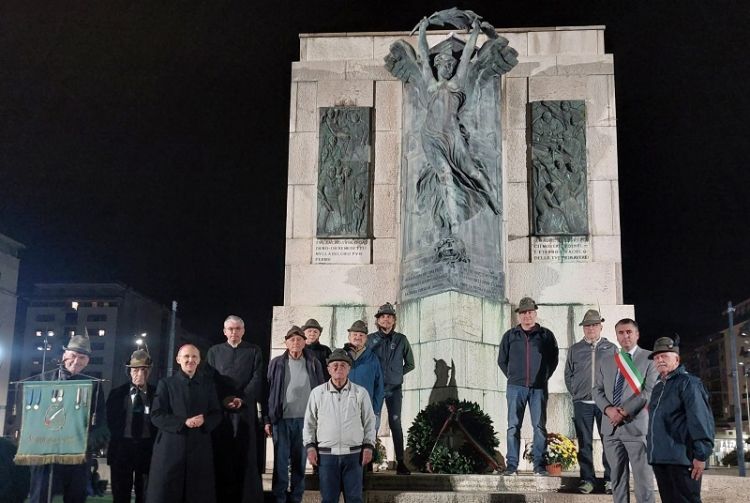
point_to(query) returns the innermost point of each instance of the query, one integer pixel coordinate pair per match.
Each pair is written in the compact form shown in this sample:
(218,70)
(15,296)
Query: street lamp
(141,340)
(736,390)
(46,347)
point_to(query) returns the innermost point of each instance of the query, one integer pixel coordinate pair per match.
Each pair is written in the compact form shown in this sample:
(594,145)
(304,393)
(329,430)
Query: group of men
(653,416)
(324,406)
(194,437)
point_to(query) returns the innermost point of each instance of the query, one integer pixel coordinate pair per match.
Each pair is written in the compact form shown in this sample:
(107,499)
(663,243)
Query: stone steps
(386,487)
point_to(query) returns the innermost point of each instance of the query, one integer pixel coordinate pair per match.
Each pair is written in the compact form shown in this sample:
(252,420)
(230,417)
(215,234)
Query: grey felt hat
(592,317)
(79,344)
(386,308)
(295,330)
(665,345)
(358,326)
(312,323)
(526,304)
(339,355)
(139,358)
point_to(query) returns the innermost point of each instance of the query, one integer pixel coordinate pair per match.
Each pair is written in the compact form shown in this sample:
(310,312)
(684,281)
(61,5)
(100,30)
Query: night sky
(146,143)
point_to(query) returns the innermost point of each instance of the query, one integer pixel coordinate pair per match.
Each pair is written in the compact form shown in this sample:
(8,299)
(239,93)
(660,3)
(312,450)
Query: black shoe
(401,469)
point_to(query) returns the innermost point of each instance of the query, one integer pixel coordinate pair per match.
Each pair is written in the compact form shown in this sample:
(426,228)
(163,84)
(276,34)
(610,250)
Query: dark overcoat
(182,464)
(238,372)
(116,417)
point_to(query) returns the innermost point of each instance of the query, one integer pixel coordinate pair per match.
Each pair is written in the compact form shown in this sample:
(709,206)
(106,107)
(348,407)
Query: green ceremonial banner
(55,423)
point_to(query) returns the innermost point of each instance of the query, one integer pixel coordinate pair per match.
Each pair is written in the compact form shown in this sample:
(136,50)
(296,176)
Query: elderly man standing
(312,331)
(681,427)
(291,377)
(528,357)
(238,367)
(581,366)
(185,410)
(396,360)
(129,421)
(622,389)
(339,432)
(71,480)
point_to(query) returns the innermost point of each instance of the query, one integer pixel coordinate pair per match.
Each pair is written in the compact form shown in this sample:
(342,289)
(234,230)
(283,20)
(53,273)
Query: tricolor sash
(55,422)
(629,371)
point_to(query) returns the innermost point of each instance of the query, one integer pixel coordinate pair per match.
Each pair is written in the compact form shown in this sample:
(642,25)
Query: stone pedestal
(340,282)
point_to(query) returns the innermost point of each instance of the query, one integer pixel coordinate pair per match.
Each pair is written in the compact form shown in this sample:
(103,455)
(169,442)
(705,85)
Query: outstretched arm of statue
(424,50)
(463,65)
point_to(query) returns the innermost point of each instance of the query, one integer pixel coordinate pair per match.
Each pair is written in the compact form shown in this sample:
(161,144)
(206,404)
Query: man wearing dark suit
(623,386)
(129,421)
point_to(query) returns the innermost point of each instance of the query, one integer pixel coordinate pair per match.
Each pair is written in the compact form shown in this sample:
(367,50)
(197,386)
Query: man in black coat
(238,367)
(185,410)
(129,421)
(312,331)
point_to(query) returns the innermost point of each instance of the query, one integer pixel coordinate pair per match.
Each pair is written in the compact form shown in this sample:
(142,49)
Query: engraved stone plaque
(560,249)
(558,158)
(344,172)
(342,251)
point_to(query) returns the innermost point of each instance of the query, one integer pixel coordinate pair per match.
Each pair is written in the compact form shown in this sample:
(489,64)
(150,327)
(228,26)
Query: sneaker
(541,472)
(585,487)
(401,469)
(608,487)
(510,472)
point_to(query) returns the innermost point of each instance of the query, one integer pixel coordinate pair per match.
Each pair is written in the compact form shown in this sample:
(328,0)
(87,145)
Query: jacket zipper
(651,420)
(528,362)
(593,366)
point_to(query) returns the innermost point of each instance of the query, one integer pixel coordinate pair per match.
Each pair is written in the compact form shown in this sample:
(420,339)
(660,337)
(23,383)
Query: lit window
(101,332)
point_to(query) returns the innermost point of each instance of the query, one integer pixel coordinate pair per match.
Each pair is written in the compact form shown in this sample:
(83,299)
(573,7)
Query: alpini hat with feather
(139,359)
(312,323)
(526,304)
(386,308)
(666,345)
(592,317)
(358,326)
(80,344)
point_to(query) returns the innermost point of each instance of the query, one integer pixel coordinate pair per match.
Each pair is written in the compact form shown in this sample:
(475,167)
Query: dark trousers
(129,469)
(676,485)
(585,415)
(68,480)
(288,451)
(393,400)
(236,460)
(339,473)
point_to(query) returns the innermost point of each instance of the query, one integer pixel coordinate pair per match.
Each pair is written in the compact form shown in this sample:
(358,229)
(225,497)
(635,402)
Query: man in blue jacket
(528,357)
(366,369)
(396,359)
(291,378)
(681,427)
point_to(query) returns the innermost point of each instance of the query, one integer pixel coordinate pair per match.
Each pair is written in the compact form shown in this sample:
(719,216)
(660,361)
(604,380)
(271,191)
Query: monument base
(455,339)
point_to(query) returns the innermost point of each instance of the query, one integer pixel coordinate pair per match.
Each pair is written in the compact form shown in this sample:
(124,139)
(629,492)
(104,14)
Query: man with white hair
(238,367)
(339,431)
(71,480)
(681,426)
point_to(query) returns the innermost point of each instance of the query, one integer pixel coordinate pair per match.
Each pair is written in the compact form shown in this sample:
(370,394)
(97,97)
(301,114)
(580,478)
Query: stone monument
(454,172)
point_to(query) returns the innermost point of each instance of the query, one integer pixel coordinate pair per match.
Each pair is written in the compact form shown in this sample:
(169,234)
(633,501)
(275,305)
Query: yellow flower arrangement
(560,449)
